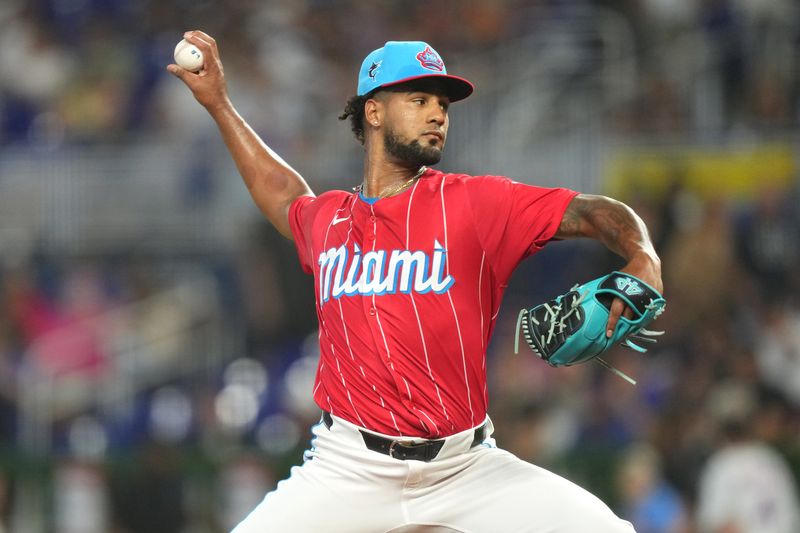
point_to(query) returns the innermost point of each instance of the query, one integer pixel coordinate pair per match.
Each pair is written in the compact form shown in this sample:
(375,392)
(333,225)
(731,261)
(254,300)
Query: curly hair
(354,110)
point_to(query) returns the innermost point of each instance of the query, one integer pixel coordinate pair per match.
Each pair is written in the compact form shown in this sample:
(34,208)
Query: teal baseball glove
(571,328)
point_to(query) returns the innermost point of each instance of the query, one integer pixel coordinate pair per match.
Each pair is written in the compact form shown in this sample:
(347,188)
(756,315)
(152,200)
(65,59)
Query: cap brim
(457,88)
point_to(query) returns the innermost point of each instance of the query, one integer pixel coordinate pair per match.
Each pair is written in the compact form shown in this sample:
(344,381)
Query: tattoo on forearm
(616,220)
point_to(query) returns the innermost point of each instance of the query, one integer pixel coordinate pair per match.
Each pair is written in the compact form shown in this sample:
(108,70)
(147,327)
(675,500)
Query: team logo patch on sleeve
(430,60)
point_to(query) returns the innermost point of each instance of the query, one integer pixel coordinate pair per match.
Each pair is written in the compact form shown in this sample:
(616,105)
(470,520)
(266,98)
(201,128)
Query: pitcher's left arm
(622,231)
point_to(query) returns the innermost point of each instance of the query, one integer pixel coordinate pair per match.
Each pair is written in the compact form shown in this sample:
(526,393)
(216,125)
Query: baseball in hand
(188,56)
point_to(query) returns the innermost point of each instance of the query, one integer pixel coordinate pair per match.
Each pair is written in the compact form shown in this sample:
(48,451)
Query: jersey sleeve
(514,220)
(300,223)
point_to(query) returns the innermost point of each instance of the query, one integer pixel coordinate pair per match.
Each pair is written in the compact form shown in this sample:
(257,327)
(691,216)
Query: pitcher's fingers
(210,60)
(613,316)
(201,41)
(617,307)
(207,38)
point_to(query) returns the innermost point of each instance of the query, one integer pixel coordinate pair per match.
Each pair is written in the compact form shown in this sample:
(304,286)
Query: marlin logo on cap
(430,60)
(373,70)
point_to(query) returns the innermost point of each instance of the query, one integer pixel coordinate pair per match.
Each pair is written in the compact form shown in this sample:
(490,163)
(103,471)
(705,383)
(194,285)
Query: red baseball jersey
(408,290)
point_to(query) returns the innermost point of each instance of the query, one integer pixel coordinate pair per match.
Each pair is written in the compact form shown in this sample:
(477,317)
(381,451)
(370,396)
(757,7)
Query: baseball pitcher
(409,271)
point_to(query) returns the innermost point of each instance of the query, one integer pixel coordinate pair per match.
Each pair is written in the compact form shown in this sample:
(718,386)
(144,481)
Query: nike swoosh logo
(336,220)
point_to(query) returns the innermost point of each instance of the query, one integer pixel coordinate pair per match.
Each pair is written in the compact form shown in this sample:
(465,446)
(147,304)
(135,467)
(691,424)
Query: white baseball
(188,56)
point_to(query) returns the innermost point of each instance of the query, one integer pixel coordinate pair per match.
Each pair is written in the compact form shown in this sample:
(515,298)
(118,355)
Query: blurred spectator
(61,339)
(746,486)
(700,288)
(777,349)
(81,498)
(722,25)
(279,299)
(662,109)
(769,102)
(768,244)
(149,498)
(10,355)
(35,70)
(648,500)
(243,484)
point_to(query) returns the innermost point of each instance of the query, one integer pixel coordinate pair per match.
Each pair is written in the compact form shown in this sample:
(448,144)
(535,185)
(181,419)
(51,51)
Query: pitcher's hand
(647,269)
(207,85)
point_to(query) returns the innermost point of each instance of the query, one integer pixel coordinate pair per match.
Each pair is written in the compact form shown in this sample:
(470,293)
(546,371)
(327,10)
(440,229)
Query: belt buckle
(403,443)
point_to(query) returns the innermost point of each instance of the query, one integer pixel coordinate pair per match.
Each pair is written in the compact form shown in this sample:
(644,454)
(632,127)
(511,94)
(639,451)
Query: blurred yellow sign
(738,172)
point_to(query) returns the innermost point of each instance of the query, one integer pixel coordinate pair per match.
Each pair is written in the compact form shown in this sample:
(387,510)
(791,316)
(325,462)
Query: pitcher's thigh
(500,493)
(313,499)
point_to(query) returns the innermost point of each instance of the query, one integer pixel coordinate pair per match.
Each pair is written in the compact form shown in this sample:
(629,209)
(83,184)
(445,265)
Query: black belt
(405,450)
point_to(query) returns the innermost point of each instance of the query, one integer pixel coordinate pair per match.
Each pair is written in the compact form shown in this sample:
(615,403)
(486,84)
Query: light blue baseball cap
(401,61)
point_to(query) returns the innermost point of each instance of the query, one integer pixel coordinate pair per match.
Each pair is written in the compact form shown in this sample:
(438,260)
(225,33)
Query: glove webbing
(558,321)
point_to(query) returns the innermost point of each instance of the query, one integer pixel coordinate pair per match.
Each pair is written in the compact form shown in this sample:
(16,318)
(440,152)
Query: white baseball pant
(343,487)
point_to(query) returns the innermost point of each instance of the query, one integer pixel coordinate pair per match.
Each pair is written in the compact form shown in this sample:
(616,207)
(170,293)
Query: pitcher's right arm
(272,183)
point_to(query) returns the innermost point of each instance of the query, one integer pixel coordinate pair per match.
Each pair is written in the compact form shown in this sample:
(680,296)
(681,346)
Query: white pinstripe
(383,404)
(344,384)
(483,338)
(322,323)
(321,368)
(408,389)
(324,247)
(347,339)
(453,307)
(416,314)
(339,370)
(480,301)
(341,311)
(435,427)
(378,317)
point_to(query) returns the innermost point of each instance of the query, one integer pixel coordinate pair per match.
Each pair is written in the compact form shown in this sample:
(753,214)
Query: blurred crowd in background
(166,388)
(88,71)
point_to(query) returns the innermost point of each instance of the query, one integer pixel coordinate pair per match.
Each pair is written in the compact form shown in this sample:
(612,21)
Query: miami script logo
(379,272)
